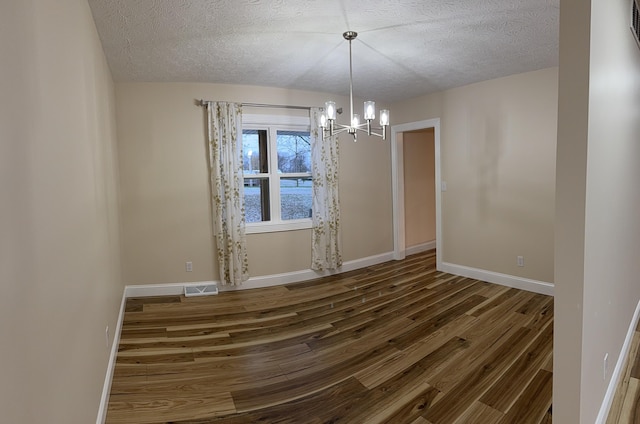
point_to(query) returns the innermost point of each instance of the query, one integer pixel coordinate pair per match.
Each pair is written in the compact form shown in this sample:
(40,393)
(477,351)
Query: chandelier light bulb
(330,109)
(384,117)
(322,122)
(369,111)
(355,121)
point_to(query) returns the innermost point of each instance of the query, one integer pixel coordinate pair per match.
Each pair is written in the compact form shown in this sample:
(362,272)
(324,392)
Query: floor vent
(635,20)
(201,290)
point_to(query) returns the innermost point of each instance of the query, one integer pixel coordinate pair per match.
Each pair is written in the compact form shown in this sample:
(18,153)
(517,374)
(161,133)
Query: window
(277,173)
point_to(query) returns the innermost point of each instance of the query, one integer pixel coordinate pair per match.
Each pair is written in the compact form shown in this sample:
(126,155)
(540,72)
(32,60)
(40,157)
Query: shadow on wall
(487,138)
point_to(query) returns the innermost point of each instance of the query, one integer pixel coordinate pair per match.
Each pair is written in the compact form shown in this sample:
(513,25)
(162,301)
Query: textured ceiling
(405,48)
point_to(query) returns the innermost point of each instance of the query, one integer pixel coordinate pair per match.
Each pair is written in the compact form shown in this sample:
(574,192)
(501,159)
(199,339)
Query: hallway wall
(59,222)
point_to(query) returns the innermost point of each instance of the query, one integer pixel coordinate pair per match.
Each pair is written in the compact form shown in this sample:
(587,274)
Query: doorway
(400,221)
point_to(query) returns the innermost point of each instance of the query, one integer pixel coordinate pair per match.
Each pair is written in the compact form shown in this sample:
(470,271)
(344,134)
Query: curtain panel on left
(227,190)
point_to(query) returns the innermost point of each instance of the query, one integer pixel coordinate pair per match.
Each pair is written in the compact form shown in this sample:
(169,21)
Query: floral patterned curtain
(326,236)
(227,194)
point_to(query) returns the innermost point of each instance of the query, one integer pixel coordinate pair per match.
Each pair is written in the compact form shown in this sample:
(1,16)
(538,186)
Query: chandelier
(328,118)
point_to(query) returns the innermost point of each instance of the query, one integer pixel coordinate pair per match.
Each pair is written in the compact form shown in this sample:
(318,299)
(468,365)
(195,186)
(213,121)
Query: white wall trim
(397,184)
(418,248)
(497,278)
(173,289)
(163,289)
(106,388)
(605,407)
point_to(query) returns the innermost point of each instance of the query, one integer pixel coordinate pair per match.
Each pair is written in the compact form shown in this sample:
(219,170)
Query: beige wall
(598,201)
(166,216)
(498,141)
(59,245)
(419,187)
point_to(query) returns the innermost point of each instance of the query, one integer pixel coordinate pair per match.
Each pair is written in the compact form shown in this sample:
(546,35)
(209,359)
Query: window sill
(274,227)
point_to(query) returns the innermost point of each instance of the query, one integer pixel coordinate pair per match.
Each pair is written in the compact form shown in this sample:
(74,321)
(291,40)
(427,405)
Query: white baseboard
(419,248)
(497,278)
(618,371)
(173,289)
(166,289)
(106,388)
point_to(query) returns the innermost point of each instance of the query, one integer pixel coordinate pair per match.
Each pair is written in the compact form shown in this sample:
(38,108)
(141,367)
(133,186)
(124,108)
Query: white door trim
(397,183)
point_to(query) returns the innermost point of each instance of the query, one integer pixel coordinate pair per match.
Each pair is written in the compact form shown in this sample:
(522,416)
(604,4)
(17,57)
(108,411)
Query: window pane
(256,200)
(294,151)
(295,198)
(254,151)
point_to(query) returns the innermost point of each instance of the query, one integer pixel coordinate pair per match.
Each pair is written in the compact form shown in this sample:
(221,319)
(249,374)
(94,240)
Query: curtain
(326,237)
(227,193)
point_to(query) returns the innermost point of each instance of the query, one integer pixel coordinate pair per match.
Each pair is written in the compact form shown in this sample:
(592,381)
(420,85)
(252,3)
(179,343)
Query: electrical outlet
(605,366)
(106,333)
(520,260)
(188,266)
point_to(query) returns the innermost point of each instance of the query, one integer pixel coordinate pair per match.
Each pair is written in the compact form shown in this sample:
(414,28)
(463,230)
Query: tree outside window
(277,174)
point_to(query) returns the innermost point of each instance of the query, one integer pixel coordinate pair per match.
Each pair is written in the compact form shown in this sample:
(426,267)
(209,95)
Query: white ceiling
(405,48)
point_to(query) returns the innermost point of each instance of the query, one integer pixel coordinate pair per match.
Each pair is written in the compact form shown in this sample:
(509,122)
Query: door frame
(397,183)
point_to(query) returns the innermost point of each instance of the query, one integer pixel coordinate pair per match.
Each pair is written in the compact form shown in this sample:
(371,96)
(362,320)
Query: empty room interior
(191,206)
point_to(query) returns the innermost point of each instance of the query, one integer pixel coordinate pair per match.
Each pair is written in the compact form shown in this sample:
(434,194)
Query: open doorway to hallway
(416,182)
(419,190)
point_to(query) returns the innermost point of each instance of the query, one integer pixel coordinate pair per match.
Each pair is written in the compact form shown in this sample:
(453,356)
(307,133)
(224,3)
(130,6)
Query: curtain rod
(204,102)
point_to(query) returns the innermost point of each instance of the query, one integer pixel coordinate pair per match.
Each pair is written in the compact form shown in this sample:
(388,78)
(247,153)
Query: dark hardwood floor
(394,343)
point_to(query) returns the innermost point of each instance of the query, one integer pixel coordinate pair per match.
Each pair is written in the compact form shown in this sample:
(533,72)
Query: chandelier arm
(347,128)
(367,130)
(372,133)
(361,127)
(339,131)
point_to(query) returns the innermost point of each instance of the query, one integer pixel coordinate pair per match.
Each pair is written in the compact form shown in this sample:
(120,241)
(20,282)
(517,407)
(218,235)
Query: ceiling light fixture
(328,118)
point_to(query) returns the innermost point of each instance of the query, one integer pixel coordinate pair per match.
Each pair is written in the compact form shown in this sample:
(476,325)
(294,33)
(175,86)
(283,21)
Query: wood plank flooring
(397,342)
(625,408)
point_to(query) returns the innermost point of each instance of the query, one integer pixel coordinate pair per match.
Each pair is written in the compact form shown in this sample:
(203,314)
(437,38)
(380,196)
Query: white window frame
(273,123)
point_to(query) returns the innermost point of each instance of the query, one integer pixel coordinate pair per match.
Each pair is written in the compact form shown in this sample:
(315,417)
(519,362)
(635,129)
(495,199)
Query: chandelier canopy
(328,117)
